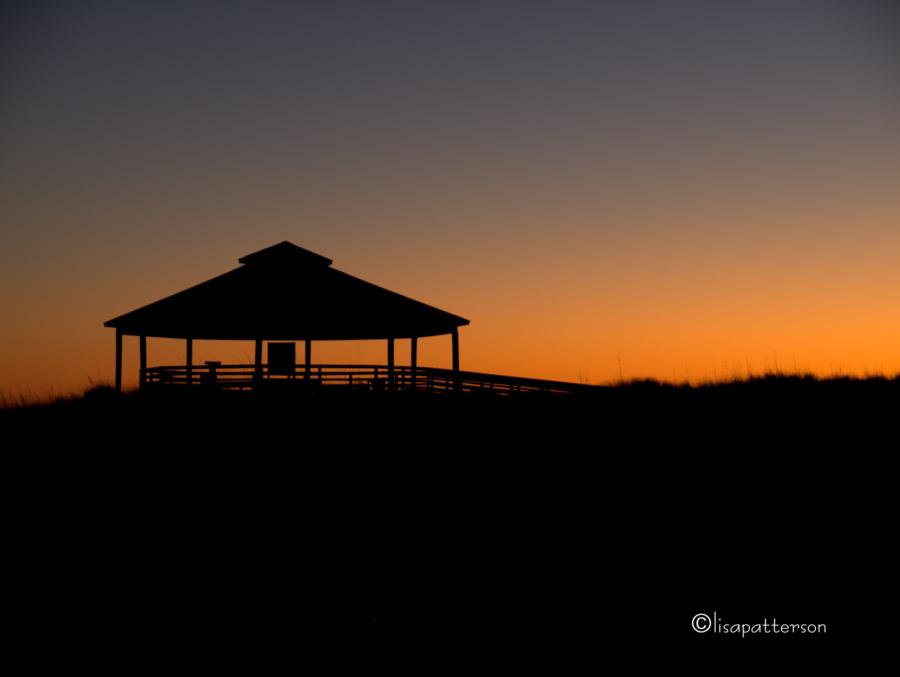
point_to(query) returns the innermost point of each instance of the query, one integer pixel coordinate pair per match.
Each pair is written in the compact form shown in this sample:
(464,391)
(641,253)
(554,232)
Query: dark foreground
(530,530)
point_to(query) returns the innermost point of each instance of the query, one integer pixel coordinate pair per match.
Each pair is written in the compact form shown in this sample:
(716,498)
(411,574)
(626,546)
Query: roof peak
(285,252)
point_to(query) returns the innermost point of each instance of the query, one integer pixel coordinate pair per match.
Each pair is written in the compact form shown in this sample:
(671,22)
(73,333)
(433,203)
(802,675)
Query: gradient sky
(679,190)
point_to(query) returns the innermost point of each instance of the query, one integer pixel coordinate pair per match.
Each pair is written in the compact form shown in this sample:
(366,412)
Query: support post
(143,373)
(118,360)
(307,360)
(258,361)
(413,360)
(390,365)
(189,361)
(455,340)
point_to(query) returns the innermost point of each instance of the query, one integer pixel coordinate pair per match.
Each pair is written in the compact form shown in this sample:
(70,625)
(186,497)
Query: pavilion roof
(285,292)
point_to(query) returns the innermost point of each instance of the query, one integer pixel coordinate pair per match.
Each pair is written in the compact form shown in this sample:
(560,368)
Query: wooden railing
(216,376)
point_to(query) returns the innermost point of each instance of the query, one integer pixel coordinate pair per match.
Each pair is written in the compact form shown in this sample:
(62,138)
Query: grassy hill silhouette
(485,519)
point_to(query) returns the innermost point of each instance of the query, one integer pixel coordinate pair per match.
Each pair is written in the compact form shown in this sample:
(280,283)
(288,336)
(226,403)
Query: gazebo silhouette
(280,295)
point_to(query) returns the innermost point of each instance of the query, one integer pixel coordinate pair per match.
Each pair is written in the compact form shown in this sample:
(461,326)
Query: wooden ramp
(239,377)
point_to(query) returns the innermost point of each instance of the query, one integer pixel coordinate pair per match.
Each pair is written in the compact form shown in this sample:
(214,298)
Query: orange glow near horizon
(675,311)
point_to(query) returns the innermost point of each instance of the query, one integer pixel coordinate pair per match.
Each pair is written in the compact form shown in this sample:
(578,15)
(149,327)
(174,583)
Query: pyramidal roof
(285,292)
